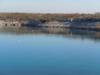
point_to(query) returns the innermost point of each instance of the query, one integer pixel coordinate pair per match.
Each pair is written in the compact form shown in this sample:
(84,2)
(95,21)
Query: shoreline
(78,21)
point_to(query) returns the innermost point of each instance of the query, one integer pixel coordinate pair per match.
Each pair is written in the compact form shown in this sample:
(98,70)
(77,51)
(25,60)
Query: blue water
(41,54)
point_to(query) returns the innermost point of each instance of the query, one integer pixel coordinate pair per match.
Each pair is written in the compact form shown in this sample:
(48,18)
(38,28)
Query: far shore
(78,21)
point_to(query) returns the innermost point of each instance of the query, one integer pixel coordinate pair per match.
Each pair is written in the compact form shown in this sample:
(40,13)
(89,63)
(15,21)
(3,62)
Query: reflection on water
(72,33)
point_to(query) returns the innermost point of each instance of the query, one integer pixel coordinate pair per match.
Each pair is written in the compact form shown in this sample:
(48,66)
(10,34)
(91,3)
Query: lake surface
(77,53)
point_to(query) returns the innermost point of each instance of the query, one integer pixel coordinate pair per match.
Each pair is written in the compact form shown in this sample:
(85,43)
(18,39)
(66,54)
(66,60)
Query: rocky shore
(78,21)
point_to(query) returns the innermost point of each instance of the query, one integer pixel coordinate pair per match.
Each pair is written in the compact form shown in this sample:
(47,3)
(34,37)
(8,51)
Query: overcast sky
(50,6)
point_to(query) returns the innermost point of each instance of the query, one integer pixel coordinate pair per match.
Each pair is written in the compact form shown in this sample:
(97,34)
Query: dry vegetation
(46,17)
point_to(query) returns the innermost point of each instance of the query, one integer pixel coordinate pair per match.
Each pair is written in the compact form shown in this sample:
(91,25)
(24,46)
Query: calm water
(49,54)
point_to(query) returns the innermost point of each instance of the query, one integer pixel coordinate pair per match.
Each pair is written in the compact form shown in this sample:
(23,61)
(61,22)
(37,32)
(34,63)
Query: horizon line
(53,12)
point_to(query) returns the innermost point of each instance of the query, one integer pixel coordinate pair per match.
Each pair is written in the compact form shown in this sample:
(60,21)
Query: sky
(50,6)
